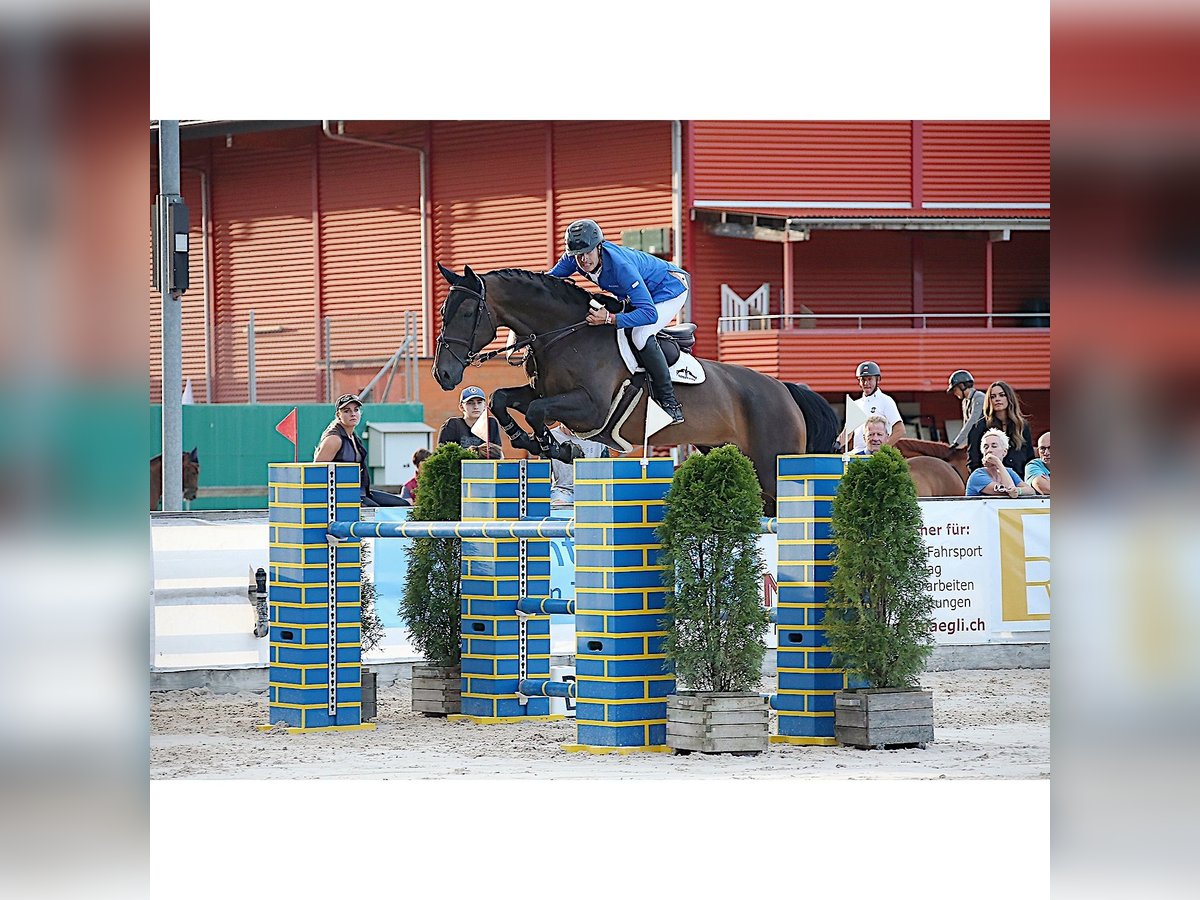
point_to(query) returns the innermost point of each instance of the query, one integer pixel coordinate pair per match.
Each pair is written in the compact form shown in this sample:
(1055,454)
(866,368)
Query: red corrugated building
(922,245)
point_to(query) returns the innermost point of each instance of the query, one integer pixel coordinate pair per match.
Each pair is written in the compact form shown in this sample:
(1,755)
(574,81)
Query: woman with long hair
(339,443)
(1002,410)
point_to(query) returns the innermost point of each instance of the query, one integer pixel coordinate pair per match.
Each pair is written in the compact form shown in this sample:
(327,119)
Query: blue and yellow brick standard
(622,674)
(807,677)
(315,611)
(500,647)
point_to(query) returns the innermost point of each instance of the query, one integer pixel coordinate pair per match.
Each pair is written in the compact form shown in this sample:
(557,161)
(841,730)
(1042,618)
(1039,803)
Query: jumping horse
(576,370)
(191,478)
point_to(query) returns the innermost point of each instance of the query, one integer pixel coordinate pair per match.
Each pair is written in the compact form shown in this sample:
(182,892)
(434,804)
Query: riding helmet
(960,376)
(868,368)
(583,236)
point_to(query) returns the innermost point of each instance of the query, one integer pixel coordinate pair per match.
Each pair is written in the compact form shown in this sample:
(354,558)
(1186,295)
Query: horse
(912,448)
(935,477)
(191,478)
(575,371)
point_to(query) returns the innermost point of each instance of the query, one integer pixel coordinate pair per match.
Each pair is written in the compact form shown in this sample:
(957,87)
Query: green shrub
(713,571)
(431,604)
(879,616)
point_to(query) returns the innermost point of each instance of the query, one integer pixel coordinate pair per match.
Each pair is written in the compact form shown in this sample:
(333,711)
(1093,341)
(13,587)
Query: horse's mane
(559,289)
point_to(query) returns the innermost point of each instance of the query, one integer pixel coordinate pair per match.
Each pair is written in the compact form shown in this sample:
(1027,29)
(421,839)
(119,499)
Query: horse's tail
(819,417)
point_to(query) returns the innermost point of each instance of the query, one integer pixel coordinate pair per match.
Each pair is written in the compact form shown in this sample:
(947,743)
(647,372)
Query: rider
(962,386)
(871,402)
(656,288)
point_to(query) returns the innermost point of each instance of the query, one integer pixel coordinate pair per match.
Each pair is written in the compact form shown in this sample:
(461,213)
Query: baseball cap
(469,392)
(347,398)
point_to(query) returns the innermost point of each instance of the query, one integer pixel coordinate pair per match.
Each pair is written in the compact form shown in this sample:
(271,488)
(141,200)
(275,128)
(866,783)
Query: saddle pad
(687,369)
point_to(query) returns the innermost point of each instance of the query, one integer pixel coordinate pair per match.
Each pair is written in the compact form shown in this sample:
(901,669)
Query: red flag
(287,428)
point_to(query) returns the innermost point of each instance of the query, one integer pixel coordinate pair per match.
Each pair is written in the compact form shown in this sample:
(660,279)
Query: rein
(473,358)
(566,331)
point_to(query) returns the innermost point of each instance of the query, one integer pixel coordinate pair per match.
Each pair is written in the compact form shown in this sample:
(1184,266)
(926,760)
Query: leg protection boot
(652,359)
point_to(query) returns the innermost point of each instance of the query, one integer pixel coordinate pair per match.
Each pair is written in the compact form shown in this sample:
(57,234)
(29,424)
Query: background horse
(911,448)
(935,477)
(191,478)
(576,370)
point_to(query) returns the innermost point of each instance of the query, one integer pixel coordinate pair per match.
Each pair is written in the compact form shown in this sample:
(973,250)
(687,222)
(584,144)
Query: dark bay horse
(576,370)
(191,478)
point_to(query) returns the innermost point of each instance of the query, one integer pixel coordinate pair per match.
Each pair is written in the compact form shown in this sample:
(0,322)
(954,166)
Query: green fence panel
(236,442)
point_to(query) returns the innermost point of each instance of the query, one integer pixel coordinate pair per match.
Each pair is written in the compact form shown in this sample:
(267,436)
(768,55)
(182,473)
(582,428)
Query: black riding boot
(652,359)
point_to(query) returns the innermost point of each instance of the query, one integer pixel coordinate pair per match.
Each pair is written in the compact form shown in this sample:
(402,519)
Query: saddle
(676,342)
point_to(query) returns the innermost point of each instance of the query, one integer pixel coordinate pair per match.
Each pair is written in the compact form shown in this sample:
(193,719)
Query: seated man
(993,478)
(1037,471)
(562,475)
(876,429)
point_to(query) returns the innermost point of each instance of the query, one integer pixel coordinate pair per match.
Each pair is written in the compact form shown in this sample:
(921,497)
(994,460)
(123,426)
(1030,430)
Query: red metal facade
(760,162)
(952,266)
(917,359)
(854,272)
(369,235)
(264,261)
(618,173)
(986,162)
(1021,269)
(305,227)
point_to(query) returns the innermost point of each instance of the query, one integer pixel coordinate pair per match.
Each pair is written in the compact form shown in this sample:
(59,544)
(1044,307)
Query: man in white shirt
(873,402)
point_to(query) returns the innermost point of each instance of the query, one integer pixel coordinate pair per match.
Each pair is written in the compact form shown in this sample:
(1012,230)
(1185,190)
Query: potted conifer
(712,570)
(879,615)
(431,604)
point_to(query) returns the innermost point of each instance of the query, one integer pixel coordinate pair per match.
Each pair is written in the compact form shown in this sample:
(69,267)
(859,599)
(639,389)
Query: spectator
(873,401)
(1037,471)
(962,386)
(458,429)
(877,432)
(339,443)
(562,475)
(1002,410)
(993,478)
(409,491)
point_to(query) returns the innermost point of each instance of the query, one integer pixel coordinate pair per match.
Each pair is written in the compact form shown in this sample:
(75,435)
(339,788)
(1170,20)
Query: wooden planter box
(711,722)
(369,707)
(437,690)
(883,717)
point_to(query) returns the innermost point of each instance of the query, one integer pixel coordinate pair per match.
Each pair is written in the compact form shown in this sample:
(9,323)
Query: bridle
(475,358)
(481,309)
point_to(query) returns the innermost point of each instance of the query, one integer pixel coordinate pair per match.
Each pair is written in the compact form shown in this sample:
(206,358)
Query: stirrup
(674,410)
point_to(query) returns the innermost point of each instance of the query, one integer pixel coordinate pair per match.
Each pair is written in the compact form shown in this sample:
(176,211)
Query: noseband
(481,309)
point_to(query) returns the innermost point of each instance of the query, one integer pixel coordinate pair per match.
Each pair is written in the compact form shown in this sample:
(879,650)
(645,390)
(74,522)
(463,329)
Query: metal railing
(789,321)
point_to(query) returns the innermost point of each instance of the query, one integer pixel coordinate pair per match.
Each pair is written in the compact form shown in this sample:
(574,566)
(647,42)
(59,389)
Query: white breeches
(667,310)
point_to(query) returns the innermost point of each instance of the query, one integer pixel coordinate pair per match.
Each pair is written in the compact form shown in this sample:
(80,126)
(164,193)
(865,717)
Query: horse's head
(467,326)
(191,474)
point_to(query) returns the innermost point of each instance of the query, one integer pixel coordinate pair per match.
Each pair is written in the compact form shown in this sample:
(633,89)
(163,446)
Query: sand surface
(988,724)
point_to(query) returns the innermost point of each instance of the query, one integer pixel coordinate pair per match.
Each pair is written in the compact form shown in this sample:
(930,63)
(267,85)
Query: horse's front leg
(573,406)
(517,398)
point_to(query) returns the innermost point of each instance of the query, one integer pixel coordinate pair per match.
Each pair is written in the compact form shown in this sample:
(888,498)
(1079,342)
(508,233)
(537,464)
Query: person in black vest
(339,443)
(457,430)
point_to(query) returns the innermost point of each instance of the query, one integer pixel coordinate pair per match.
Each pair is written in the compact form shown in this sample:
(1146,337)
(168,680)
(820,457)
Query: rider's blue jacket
(630,274)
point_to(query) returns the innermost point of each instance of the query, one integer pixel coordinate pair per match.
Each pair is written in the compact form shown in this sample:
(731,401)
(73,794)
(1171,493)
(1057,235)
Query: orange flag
(288,429)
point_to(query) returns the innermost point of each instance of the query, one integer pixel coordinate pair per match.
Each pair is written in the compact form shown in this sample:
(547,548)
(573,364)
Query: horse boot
(652,360)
